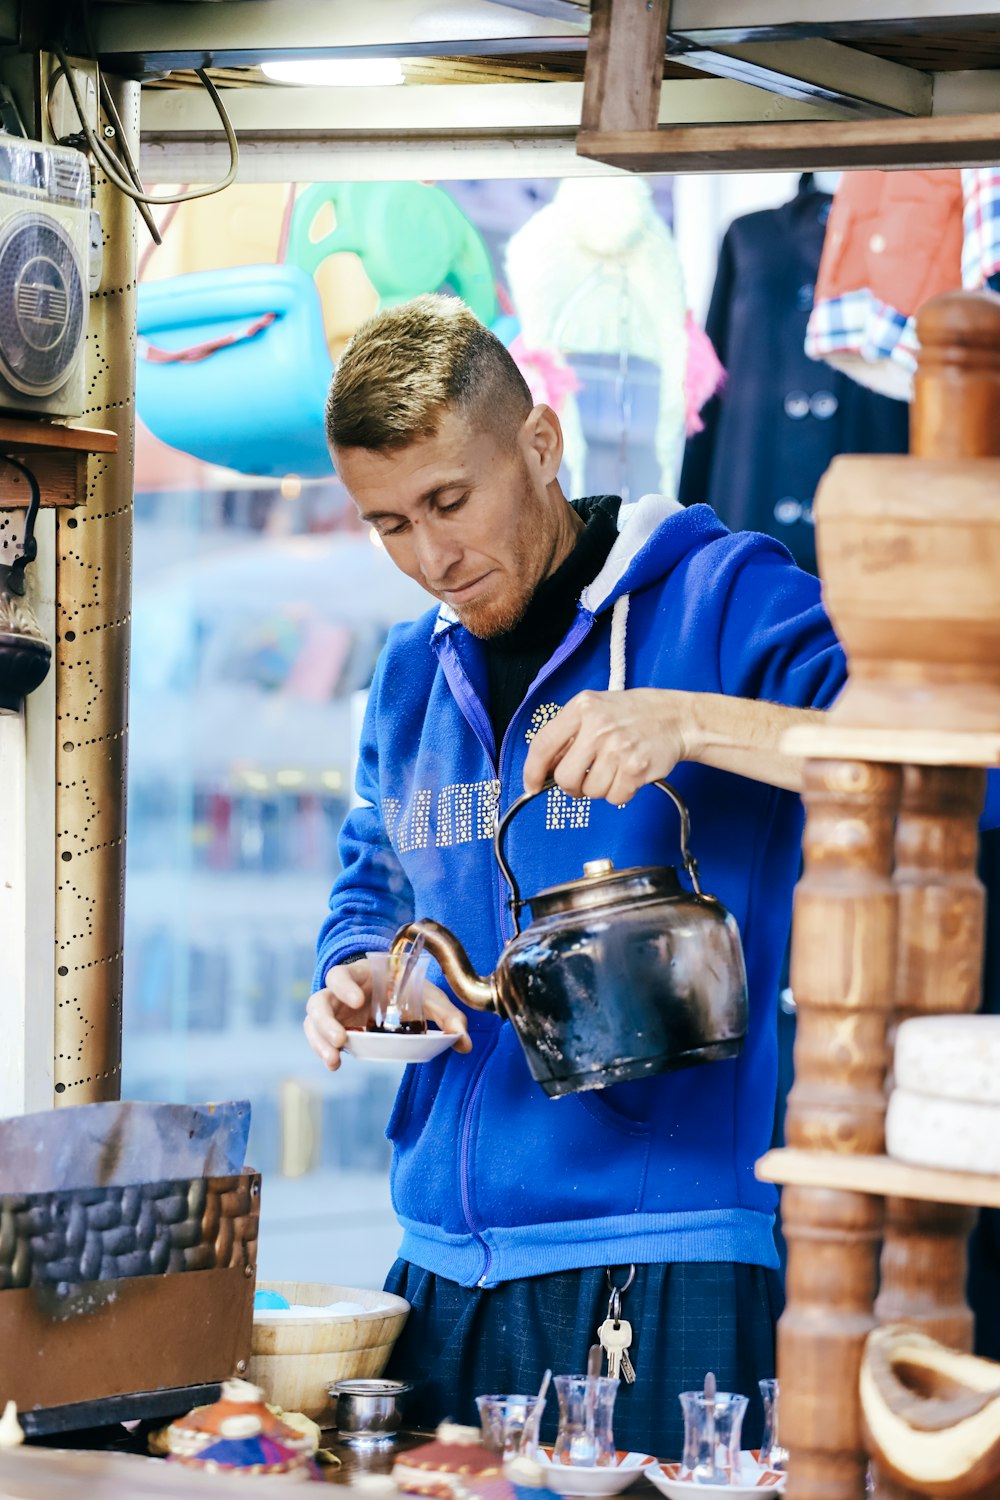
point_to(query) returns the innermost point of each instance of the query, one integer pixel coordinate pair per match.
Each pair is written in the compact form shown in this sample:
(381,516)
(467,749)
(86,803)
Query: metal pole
(93,599)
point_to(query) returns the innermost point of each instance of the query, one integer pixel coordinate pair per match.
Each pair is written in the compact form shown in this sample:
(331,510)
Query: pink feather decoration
(703,376)
(549,378)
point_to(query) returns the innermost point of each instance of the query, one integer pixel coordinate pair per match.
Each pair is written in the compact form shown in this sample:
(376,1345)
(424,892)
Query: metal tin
(368,1412)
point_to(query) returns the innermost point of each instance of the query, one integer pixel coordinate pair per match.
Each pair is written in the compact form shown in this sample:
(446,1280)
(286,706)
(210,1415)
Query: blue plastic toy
(264,1300)
(233,367)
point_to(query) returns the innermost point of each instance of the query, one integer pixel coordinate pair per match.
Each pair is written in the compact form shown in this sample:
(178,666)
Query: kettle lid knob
(593,869)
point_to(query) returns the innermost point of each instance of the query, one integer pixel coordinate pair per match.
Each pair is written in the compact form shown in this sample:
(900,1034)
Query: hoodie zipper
(475,715)
(464,1160)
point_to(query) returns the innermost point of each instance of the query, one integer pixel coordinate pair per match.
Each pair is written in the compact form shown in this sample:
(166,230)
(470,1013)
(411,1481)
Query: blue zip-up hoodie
(491,1179)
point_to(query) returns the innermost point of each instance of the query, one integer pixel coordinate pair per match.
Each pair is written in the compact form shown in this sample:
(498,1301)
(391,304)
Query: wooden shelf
(881,1176)
(56,455)
(906,747)
(946,141)
(25,433)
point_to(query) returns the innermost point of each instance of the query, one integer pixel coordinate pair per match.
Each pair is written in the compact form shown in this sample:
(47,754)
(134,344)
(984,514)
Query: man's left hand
(611,744)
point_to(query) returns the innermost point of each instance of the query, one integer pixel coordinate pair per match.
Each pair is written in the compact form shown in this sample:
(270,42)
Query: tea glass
(772,1455)
(712,1429)
(393,1008)
(586,1404)
(510,1424)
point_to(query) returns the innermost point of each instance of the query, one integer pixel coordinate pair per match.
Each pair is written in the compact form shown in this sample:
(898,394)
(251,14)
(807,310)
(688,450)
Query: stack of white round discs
(945,1108)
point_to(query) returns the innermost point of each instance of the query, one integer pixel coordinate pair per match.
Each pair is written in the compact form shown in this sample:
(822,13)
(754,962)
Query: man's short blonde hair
(408,365)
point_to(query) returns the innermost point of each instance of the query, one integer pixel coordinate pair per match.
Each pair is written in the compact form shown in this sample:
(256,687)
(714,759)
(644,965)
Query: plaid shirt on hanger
(860,324)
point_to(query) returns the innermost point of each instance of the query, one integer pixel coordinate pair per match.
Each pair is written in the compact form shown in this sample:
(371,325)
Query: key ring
(617,1292)
(621,1290)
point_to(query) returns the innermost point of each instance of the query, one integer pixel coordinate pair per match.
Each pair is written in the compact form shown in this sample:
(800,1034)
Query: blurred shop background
(261,603)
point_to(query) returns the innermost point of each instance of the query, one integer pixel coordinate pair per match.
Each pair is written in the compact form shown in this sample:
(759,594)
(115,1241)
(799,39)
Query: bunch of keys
(615,1336)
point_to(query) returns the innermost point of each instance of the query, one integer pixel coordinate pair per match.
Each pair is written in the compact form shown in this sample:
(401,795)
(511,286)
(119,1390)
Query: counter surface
(355,1461)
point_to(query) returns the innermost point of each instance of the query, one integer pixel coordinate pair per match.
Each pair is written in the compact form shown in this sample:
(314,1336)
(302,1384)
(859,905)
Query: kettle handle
(690,863)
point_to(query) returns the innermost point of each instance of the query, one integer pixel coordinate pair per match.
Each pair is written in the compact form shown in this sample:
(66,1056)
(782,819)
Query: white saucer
(755,1483)
(389,1046)
(581,1479)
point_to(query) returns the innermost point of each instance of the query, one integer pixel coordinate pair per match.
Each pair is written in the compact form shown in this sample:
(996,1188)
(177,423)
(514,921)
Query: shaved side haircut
(405,367)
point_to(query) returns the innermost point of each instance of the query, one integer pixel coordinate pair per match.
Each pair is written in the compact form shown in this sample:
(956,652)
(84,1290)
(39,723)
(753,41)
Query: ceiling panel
(939,54)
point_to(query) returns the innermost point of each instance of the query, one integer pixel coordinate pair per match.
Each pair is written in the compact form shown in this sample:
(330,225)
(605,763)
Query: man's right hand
(344,1003)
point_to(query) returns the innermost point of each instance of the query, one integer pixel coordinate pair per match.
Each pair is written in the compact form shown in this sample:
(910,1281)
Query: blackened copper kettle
(621,974)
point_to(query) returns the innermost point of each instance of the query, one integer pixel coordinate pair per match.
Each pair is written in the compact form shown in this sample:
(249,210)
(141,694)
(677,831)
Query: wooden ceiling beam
(621,88)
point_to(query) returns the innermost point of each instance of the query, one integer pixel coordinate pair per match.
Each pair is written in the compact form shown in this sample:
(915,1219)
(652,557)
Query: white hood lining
(636,523)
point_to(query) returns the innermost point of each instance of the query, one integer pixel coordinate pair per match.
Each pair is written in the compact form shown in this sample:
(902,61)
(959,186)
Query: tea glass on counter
(510,1424)
(397,993)
(712,1430)
(586,1407)
(772,1455)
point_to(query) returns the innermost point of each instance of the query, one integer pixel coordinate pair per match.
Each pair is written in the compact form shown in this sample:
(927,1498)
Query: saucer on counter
(587,1480)
(753,1482)
(397,1046)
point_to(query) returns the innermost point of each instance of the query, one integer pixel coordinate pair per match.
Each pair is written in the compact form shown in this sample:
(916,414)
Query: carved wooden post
(833,1244)
(956,416)
(941,914)
(843,959)
(956,392)
(907,549)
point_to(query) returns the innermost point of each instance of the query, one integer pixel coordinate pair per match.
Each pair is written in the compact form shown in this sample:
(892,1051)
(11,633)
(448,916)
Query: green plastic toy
(409,236)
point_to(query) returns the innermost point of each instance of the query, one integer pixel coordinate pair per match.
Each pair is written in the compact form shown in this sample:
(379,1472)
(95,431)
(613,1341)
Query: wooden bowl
(294,1360)
(909,555)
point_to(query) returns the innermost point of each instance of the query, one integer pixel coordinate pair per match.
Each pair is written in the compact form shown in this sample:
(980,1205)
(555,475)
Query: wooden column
(621,86)
(956,416)
(833,1243)
(908,551)
(843,957)
(843,960)
(941,916)
(956,392)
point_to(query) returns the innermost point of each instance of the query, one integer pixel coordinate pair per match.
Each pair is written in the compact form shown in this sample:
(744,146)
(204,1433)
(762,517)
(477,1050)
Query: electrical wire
(111,111)
(161,229)
(29,542)
(75,140)
(119,174)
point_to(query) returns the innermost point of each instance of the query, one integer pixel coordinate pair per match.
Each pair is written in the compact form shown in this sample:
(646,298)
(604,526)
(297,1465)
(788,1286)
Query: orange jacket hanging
(893,241)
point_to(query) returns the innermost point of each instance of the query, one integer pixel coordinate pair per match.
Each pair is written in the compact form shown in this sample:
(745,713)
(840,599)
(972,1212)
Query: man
(605,645)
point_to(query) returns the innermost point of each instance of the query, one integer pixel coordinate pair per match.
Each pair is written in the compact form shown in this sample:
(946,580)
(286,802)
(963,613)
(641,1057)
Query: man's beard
(493,617)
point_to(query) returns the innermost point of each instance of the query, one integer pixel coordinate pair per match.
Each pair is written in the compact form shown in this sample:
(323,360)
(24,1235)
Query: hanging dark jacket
(781,417)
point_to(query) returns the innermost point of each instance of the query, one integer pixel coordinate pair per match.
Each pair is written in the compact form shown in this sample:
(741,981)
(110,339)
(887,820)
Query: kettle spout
(473,990)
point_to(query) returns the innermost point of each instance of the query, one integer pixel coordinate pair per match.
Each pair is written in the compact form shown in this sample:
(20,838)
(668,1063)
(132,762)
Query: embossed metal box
(112,1291)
